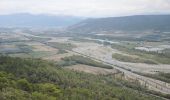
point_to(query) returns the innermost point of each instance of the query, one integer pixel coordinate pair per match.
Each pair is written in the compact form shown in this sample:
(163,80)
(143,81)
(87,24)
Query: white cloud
(88,8)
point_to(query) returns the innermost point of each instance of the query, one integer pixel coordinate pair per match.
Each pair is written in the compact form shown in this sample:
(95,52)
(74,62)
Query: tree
(24,85)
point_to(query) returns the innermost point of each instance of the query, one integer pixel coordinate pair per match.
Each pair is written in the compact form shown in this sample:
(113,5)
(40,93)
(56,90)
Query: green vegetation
(35,79)
(21,55)
(63,63)
(40,39)
(24,48)
(20,89)
(61,51)
(81,39)
(151,56)
(62,46)
(166,52)
(159,76)
(33,54)
(84,60)
(133,59)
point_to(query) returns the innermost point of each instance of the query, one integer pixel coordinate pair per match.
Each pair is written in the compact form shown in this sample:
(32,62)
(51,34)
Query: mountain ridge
(41,20)
(124,23)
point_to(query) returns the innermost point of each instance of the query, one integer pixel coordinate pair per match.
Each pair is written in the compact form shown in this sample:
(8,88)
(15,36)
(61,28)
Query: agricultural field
(84,50)
(95,56)
(131,53)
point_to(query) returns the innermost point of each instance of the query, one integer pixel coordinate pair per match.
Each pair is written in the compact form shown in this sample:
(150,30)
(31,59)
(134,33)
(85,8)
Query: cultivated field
(92,55)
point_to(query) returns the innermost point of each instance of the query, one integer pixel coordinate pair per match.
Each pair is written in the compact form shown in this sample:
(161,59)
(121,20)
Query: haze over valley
(84,50)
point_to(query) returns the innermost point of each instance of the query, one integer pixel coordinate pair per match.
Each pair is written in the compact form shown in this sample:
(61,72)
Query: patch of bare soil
(7,46)
(58,57)
(43,48)
(61,39)
(37,46)
(105,53)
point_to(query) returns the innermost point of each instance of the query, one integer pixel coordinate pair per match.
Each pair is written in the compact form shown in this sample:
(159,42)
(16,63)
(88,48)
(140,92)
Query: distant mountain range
(127,23)
(29,20)
(78,24)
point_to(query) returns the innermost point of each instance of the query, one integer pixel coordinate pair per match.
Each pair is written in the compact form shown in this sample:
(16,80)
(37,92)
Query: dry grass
(43,48)
(58,57)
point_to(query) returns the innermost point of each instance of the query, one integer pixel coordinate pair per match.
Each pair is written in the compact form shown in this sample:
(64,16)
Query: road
(152,84)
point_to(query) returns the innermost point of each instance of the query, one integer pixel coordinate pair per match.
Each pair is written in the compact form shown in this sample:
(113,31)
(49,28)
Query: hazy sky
(87,8)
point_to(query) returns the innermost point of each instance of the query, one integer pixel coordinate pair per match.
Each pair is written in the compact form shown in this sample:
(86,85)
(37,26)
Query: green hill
(126,23)
(35,79)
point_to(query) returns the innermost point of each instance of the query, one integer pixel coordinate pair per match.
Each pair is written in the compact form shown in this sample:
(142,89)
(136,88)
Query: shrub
(24,85)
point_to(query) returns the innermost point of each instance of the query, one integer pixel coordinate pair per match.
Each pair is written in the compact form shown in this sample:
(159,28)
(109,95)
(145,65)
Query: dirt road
(152,84)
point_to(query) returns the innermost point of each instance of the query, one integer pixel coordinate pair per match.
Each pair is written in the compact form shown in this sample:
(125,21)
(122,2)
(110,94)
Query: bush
(24,85)
(35,79)
(40,96)
(48,88)
(126,58)
(14,94)
(86,61)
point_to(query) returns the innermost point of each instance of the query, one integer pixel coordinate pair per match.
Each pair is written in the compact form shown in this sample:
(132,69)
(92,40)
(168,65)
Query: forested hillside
(126,23)
(35,79)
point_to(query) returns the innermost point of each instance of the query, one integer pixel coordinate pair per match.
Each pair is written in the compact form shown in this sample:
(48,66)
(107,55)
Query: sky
(86,8)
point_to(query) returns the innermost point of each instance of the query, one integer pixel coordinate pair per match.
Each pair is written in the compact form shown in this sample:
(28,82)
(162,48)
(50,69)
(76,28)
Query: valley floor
(55,49)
